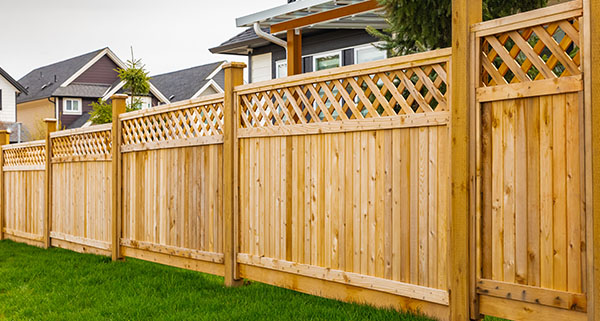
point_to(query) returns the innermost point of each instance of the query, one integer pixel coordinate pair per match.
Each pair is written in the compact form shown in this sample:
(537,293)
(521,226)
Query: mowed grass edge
(56,284)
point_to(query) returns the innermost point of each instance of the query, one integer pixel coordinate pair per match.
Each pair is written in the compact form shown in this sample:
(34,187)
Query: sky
(167,35)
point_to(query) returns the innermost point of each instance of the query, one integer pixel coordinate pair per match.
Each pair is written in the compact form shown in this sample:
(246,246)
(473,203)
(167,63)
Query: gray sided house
(321,49)
(192,82)
(66,89)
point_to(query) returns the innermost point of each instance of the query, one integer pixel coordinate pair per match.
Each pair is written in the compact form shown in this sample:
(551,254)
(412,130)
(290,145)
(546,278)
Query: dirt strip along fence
(337,183)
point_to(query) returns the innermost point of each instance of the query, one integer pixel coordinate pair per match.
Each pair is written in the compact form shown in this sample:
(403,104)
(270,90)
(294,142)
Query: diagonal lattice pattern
(420,89)
(189,122)
(529,54)
(96,143)
(30,155)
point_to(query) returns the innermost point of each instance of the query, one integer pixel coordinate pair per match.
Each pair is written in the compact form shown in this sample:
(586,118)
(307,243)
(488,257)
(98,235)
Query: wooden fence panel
(344,177)
(24,192)
(81,189)
(531,213)
(172,185)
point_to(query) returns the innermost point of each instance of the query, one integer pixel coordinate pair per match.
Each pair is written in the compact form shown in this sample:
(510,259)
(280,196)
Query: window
(144,102)
(72,106)
(368,53)
(1,100)
(327,61)
(281,68)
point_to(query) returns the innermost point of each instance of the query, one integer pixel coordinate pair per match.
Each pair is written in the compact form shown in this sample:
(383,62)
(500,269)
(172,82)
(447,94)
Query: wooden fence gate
(531,214)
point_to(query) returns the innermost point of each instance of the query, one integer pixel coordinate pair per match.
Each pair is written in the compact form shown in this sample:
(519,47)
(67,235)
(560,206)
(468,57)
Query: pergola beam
(325,16)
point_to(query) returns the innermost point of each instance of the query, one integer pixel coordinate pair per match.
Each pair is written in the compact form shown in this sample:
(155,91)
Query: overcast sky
(168,35)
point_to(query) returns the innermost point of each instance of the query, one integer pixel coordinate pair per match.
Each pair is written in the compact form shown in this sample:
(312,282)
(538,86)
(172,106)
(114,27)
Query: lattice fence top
(546,51)
(26,154)
(94,142)
(194,119)
(380,91)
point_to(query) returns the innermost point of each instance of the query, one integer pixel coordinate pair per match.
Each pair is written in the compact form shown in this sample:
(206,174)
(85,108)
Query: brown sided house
(66,89)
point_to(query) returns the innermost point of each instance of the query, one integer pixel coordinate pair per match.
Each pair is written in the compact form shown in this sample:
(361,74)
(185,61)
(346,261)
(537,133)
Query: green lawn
(56,284)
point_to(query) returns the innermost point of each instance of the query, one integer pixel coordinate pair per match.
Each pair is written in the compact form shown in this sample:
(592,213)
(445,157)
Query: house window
(368,53)
(281,68)
(143,102)
(327,61)
(72,106)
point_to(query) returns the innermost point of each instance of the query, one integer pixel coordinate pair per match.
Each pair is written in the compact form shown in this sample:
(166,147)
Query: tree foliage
(137,83)
(420,25)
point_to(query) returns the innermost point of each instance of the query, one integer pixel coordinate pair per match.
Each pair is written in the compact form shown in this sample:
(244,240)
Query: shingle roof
(43,81)
(82,90)
(245,39)
(79,122)
(12,81)
(183,84)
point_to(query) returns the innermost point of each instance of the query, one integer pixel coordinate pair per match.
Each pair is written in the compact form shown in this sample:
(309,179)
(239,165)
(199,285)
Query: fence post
(591,72)
(119,105)
(50,127)
(464,14)
(4,140)
(234,73)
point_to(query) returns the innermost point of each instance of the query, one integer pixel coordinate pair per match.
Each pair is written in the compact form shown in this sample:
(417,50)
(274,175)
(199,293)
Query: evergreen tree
(421,25)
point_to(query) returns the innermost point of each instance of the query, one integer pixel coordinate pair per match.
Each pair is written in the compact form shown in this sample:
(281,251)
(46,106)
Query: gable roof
(187,83)
(240,43)
(13,82)
(42,82)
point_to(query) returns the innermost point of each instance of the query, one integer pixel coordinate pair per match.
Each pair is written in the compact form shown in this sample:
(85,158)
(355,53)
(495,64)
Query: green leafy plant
(421,25)
(102,112)
(137,84)
(137,81)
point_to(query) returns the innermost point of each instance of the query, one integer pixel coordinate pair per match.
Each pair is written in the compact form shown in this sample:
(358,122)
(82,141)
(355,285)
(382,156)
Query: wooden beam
(234,72)
(294,52)
(462,90)
(50,127)
(4,140)
(119,105)
(329,15)
(591,71)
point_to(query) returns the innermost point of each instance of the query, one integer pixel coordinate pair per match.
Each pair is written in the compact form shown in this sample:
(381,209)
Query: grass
(56,284)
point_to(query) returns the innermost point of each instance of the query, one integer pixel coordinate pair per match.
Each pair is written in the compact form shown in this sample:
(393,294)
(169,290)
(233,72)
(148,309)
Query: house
(192,82)
(66,89)
(9,90)
(342,45)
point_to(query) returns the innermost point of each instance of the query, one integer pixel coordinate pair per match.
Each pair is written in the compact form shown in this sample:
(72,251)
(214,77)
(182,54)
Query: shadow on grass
(57,284)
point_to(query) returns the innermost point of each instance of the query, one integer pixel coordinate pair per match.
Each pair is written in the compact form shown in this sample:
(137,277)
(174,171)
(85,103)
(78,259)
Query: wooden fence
(24,198)
(343,179)
(338,183)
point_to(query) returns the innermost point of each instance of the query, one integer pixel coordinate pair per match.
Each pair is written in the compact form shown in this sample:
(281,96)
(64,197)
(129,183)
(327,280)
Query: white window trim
(277,64)
(370,45)
(325,54)
(70,112)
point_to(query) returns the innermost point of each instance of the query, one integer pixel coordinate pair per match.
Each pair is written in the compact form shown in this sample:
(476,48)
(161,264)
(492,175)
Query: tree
(421,25)
(137,83)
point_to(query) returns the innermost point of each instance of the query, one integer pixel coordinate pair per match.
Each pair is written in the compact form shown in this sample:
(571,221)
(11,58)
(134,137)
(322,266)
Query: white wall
(261,67)
(8,101)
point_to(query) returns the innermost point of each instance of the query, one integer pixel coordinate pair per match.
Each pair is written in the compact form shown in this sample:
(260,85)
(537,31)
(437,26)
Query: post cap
(50,120)
(234,64)
(5,131)
(118,96)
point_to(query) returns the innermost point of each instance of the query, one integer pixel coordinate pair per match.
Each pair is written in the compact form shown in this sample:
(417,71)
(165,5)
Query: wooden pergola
(326,14)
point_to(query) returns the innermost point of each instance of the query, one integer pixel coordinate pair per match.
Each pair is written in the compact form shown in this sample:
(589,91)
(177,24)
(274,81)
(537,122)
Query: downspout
(269,37)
